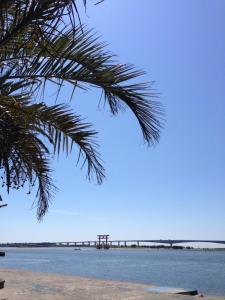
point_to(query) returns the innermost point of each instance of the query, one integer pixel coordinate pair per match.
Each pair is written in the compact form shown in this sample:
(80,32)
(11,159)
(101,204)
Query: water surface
(201,270)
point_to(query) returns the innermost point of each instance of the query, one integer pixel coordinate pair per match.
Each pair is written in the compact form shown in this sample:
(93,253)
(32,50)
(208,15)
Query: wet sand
(26,285)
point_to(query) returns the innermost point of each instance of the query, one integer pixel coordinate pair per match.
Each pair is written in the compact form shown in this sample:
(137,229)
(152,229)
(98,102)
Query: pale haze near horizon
(174,190)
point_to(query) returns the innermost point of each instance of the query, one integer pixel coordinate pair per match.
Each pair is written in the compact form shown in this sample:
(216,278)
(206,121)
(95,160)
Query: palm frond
(23,125)
(81,59)
(61,127)
(36,47)
(23,159)
(36,18)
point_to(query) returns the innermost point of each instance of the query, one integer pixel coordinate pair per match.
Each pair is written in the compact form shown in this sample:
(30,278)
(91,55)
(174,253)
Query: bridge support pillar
(125,243)
(118,244)
(138,243)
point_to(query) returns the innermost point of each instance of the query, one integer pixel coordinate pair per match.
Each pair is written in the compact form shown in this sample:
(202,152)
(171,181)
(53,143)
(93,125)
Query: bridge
(111,243)
(125,243)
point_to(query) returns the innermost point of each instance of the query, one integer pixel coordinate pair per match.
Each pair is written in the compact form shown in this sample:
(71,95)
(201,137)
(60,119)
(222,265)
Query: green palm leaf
(78,58)
(22,128)
(37,48)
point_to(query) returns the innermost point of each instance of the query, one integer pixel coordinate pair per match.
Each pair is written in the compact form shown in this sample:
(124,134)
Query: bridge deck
(169,241)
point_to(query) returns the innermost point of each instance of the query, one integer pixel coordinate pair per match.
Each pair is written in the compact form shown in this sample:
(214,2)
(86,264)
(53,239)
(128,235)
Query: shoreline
(26,285)
(113,248)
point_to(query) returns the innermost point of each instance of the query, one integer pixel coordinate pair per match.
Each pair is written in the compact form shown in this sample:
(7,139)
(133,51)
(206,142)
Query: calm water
(203,270)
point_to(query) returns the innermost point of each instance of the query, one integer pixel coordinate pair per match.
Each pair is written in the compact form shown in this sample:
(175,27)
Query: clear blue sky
(173,190)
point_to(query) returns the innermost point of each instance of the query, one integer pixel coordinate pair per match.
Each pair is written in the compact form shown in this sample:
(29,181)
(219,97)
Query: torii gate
(102,241)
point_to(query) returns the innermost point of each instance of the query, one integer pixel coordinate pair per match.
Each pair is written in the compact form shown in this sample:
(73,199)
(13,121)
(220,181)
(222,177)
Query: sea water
(201,270)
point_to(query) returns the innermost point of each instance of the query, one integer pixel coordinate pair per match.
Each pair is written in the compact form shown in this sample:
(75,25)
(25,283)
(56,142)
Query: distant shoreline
(157,247)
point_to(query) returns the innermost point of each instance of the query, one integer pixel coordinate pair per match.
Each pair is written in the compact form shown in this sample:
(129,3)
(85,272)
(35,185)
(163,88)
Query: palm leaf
(23,158)
(36,47)
(22,128)
(80,59)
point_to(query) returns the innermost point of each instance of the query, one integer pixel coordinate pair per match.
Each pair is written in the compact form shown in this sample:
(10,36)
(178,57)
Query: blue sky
(173,190)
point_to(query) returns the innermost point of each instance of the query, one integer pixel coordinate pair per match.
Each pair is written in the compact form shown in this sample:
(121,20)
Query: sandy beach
(26,285)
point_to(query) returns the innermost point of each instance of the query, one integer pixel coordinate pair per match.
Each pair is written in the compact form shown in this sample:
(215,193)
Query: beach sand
(26,285)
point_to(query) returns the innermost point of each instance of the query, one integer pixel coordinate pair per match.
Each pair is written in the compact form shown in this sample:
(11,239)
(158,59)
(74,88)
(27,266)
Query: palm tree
(37,48)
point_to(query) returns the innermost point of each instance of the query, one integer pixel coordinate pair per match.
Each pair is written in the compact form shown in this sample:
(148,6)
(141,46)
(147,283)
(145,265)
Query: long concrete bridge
(125,243)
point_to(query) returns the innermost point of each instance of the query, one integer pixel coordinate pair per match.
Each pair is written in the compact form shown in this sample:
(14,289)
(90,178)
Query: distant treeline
(25,245)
